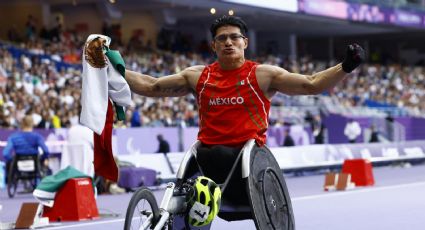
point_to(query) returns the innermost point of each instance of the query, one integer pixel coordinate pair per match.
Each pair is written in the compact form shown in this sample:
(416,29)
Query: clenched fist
(354,56)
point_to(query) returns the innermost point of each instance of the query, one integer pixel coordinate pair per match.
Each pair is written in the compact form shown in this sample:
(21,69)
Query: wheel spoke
(142,211)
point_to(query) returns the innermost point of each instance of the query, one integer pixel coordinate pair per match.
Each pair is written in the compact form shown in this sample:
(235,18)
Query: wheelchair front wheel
(142,211)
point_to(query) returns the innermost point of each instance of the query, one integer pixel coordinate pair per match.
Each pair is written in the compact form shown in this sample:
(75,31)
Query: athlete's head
(229,37)
(228,21)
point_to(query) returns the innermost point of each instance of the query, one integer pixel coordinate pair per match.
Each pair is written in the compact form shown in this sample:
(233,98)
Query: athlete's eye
(233,37)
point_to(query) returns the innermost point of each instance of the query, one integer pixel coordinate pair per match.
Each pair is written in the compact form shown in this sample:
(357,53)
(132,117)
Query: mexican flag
(49,185)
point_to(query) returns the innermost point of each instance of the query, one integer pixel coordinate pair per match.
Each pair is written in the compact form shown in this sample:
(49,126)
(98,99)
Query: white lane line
(86,224)
(343,193)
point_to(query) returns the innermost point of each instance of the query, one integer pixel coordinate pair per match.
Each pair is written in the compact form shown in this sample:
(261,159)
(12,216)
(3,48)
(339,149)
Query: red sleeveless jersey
(232,107)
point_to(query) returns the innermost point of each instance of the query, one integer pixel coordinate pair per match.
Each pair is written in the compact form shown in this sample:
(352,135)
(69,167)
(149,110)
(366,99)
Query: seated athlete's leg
(208,159)
(216,161)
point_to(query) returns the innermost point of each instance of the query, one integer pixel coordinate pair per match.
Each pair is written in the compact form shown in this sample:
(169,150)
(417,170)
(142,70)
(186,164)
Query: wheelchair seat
(254,187)
(23,168)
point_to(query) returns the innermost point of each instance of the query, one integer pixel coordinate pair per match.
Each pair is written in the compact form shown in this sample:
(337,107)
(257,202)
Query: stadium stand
(40,71)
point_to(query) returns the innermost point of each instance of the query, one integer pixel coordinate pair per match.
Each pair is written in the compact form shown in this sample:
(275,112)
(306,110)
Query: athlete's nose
(228,41)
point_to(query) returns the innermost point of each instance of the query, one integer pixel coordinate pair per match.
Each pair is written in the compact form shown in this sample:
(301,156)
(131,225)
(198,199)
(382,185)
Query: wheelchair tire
(142,205)
(268,194)
(12,182)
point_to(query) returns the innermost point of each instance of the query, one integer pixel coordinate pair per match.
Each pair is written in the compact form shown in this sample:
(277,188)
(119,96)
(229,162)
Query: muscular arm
(174,85)
(274,79)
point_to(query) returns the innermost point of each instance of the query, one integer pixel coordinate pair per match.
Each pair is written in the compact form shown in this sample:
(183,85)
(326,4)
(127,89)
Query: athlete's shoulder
(195,68)
(15,135)
(269,69)
(193,71)
(266,68)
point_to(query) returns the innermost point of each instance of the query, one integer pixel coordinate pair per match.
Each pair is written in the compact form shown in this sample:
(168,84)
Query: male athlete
(233,93)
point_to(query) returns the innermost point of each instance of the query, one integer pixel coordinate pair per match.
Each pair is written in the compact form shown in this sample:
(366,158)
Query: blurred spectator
(56,31)
(163,146)
(352,130)
(30,30)
(287,138)
(390,126)
(309,119)
(318,130)
(41,81)
(374,134)
(135,118)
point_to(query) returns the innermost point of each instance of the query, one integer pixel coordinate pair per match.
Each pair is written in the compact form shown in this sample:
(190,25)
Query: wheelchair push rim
(142,211)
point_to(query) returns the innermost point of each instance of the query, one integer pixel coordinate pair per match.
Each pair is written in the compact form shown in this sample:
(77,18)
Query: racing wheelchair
(249,179)
(26,168)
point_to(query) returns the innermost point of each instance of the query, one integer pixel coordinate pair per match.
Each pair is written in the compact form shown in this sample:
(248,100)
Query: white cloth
(352,130)
(78,152)
(98,85)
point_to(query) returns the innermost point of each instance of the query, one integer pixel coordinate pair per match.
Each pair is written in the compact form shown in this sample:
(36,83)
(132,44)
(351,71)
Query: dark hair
(228,20)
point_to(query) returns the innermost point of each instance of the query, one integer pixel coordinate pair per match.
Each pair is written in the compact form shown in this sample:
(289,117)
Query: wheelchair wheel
(268,194)
(12,182)
(142,211)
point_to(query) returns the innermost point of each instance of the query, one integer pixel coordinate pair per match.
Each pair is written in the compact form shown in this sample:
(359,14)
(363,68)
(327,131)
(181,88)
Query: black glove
(354,57)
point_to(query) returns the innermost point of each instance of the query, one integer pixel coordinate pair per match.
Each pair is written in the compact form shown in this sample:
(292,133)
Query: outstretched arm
(298,84)
(174,85)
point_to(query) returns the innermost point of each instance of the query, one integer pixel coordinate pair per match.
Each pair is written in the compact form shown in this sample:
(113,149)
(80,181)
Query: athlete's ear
(246,43)
(213,46)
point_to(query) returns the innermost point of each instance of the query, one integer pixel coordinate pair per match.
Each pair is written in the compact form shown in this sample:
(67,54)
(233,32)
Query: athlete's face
(229,43)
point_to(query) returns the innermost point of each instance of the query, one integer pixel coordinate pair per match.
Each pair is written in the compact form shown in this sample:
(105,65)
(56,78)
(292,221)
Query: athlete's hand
(354,56)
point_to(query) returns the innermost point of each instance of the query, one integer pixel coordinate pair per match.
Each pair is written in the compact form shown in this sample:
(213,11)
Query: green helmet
(204,202)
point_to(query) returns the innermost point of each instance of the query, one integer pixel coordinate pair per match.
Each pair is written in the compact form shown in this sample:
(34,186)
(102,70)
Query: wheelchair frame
(174,199)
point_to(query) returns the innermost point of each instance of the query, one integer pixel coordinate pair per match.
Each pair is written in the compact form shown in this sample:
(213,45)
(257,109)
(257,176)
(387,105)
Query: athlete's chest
(228,90)
(226,83)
